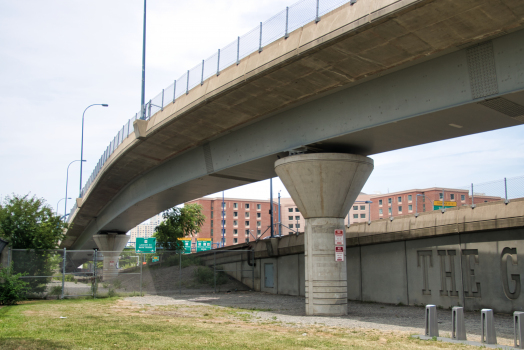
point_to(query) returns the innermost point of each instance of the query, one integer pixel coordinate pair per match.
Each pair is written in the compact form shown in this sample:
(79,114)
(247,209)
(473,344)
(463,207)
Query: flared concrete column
(111,245)
(324,186)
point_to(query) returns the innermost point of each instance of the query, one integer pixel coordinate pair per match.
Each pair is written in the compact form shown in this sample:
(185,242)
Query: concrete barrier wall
(476,265)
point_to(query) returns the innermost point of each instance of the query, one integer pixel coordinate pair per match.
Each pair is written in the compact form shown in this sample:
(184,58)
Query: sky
(59,56)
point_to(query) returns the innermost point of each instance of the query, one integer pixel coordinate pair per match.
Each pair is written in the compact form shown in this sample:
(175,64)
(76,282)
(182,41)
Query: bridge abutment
(324,186)
(111,245)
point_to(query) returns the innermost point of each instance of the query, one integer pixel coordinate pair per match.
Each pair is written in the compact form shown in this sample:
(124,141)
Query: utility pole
(142,101)
(271,201)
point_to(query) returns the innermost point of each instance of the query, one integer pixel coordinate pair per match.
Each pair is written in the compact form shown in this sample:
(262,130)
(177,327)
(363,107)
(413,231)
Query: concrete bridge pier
(111,245)
(324,186)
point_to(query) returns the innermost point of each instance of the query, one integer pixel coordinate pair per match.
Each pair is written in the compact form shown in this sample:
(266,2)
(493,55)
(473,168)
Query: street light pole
(67,180)
(82,143)
(58,203)
(143,92)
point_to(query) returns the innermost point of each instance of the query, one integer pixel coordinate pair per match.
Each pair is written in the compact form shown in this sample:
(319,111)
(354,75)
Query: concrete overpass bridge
(367,78)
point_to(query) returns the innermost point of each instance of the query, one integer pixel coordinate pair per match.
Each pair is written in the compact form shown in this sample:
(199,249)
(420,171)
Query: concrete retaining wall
(467,257)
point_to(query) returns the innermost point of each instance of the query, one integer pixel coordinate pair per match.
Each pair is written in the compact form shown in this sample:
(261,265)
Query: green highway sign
(187,245)
(145,245)
(203,244)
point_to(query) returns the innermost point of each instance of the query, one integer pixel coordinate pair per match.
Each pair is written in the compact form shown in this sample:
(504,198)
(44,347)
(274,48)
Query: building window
(290,217)
(247,232)
(259,206)
(362,207)
(380,211)
(211,215)
(247,205)
(297,218)
(235,232)
(462,197)
(452,196)
(423,207)
(355,207)
(235,214)
(258,223)
(355,216)
(211,232)
(259,215)
(389,211)
(389,200)
(410,197)
(235,205)
(362,216)
(235,240)
(235,223)
(298,225)
(423,198)
(223,222)
(247,214)
(247,223)
(399,199)
(400,209)
(441,195)
(410,207)
(290,225)
(223,205)
(290,210)
(211,223)
(259,232)
(247,239)
(296,210)
(380,202)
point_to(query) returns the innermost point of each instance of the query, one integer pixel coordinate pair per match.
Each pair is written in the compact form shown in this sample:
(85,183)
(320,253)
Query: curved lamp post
(67,180)
(82,144)
(58,203)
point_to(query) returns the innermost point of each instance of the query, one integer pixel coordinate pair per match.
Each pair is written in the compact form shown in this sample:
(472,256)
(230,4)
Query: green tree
(29,223)
(179,223)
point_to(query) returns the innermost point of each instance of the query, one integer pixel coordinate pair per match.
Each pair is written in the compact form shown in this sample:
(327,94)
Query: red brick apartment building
(421,200)
(244,219)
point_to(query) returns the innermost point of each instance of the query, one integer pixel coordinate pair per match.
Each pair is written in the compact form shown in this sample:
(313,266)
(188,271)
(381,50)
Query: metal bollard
(458,325)
(488,335)
(431,321)
(518,323)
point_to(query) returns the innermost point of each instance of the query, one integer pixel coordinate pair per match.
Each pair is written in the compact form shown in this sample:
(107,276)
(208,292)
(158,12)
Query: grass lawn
(117,324)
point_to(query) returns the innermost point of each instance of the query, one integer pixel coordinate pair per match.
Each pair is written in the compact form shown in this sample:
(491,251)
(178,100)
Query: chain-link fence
(504,189)
(91,273)
(276,27)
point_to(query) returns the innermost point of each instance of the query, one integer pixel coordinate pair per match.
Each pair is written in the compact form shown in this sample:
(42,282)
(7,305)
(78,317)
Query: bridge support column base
(110,245)
(324,186)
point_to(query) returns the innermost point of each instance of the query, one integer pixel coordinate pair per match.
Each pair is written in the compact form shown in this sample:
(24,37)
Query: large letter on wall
(469,276)
(425,255)
(506,253)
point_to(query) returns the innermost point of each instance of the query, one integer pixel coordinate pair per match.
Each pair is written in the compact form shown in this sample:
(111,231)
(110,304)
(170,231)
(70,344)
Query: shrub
(117,284)
(191,260)
(12,288)
(56,291)
(205,275)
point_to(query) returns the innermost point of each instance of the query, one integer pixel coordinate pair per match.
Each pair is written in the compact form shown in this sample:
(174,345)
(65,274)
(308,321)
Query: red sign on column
(339,237)
(339,253)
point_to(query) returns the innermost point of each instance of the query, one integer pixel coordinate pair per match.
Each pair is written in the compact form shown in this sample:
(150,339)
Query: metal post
(505,191)
(443,199)
(149,108)
(218,63)
(215,269)
(271,206)
(174,91)
(95,258)
(317,18)
(63,274)
(187,83)
(143,92)
(223,221)
(279,222)
(180,272)
(238,51)
(162,100)
(202,77)
(260,39)
(140,259)
(253,270)
(286,34)
(472,197)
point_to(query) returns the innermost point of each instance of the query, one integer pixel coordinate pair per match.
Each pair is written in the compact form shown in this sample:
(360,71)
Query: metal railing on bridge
(276,27)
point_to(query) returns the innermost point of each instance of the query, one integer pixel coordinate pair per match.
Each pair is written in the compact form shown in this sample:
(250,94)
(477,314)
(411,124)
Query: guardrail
(278,26)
